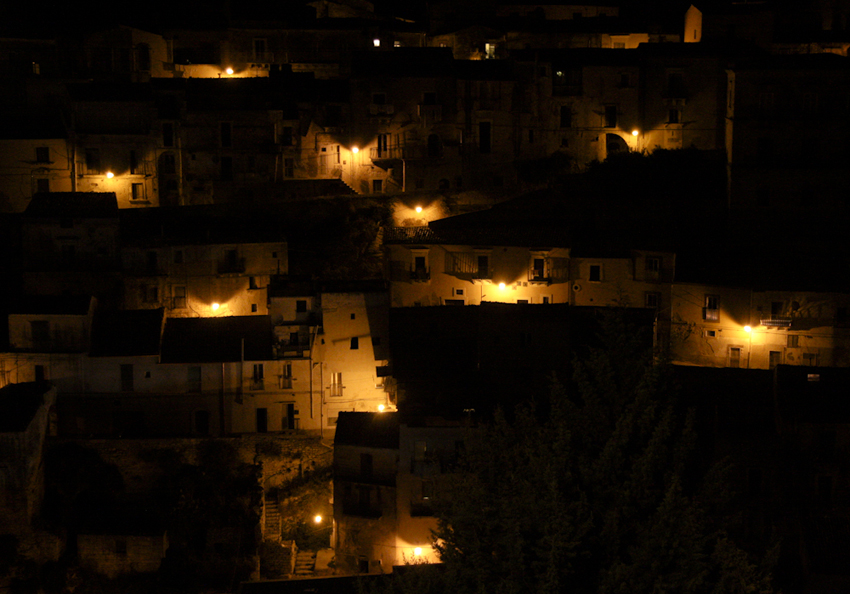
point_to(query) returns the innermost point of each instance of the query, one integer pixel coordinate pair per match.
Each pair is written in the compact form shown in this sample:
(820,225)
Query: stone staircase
(305,563)
(272,525)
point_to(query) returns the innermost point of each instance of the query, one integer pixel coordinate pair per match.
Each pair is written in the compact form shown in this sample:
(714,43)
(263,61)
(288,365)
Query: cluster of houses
(159,284)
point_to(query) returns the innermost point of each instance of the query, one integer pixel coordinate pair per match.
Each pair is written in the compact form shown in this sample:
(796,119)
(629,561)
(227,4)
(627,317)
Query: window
(610,116)
(734,357)
(167,134)
(42,185)
(595,273)
(336,384)
(538,269)
(257,379)
(150,294)
(711,333)
(810,359)
(673,116)
(355,343)
(566,116)
(774,359)
(226,169)
(193,378)
(127,377)
(711,309)
(178,297)
(625,81)
(653,264)
(377,186)
(420,268)
(260,50)
(484,137)
(178,256)
(301,306)
(226,136)
(92,161)
(254,308)
(42,154)
(776,308)
(40,330)
(353,316)
(366,466)
(252,282)
(793,341)
(483,267)
(383,143)
(167,164)
(39,373)
(262,420)
(202,422)
(435,146)
(531,136)
(289,167)
(651,299)
(286,375)
(137,192)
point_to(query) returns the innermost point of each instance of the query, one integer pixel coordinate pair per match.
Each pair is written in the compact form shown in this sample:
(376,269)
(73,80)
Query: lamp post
(749,330)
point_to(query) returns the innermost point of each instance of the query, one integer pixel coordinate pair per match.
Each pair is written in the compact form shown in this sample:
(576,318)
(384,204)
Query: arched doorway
(614,144)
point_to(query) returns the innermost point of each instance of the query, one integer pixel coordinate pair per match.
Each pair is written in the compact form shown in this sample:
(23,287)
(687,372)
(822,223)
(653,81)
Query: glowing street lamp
(215,306)
(229,70)
(109,175)
(748,329)
(317,519)
(501,286)
(418,209)
(417,551)
(355,150)
(381,408)
(635,133)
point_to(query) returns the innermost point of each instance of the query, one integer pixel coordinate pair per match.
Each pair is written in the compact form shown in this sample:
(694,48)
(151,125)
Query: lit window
(376,42)
(137,191)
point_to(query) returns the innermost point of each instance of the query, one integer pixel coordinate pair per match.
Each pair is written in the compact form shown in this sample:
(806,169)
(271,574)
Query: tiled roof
(213,340)
(73,204)
(127,333)
(50,305)
(367,429)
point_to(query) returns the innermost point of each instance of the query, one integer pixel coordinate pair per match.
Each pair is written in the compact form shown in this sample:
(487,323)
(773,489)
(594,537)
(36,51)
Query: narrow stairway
(305,563)
(272,527)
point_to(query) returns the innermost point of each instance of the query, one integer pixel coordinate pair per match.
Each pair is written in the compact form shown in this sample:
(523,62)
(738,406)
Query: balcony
(257,384)
(537,275)
(776,322)
(381,109)
(431,114)
(710,315)
(420,274)
(232,266)
(393,152)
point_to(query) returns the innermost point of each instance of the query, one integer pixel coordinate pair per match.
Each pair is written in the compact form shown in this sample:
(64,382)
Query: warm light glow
(355,150)
(418,209)
(110,175)
(502,286)
(417,551)
(317,519)
(215,306)
(381,408)
(376,42)
(747,329)
(229,71)
(634,132)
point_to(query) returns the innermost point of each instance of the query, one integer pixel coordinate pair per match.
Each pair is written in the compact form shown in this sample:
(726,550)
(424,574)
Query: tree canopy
(594,488)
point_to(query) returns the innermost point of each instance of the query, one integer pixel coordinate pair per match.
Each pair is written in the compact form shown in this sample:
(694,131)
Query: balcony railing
(336,390)
(420,274)
(258,384)
(235,266)
(776,322)
(710,315)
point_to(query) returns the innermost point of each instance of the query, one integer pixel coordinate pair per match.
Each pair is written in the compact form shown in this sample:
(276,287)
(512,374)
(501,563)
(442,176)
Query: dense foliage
(595,489)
